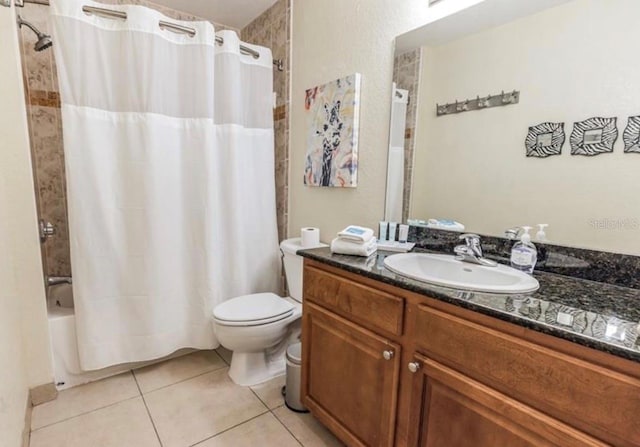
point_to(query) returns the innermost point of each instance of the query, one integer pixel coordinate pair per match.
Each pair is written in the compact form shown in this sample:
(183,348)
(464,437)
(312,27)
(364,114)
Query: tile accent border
(280,112)
(44,98)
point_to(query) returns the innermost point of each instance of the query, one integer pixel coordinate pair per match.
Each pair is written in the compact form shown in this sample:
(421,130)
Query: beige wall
(24,347)
(570,63)
(332,39)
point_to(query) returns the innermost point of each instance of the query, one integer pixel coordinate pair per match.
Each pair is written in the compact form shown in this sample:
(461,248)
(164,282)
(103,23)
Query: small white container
(393,227)
(382,235)
(403,233)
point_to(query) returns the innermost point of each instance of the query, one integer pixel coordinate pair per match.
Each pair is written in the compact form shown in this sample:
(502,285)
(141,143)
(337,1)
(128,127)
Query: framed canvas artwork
(332,133)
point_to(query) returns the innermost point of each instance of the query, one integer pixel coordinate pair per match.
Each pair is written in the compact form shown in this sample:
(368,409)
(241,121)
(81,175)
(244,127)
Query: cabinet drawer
(598,401)
(372,308)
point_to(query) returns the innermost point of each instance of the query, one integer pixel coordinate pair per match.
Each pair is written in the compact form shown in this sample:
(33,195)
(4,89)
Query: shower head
(43,43)
(44,40)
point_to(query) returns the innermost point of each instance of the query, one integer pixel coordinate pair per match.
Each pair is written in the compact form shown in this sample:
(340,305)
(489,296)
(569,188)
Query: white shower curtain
(245,227)
(157,181)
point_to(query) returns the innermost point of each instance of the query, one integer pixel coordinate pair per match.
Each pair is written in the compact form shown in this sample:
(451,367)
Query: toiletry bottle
(541,235)
(382,235)
(524,254)
(393,228)
(403,233)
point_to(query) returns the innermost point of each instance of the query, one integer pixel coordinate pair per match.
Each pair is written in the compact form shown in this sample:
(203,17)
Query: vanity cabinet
(383,366)
(451,409)
(352,378)
(351,369)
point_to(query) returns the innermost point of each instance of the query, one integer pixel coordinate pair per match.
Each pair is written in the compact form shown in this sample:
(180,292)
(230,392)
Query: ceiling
(482,15)
(233,13)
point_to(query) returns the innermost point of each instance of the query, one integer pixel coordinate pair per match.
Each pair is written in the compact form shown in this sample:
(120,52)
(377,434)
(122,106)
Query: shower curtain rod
(278,63)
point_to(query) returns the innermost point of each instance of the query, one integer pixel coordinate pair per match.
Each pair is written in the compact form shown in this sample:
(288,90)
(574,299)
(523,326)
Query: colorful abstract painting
(332,141)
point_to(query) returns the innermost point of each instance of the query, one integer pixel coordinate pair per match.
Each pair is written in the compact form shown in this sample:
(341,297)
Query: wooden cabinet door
(450,409)
(347,382)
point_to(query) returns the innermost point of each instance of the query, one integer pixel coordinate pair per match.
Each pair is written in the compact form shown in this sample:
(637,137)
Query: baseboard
(43,393)
(26,431)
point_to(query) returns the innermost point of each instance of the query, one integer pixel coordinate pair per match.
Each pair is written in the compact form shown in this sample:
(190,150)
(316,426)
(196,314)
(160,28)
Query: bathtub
(64,346)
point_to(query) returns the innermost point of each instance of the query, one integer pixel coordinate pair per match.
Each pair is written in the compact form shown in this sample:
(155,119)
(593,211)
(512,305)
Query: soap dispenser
(541,235)
(524,254)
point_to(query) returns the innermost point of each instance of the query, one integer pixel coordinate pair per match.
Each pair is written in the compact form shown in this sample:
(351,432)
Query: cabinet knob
(387,355)
(414,367)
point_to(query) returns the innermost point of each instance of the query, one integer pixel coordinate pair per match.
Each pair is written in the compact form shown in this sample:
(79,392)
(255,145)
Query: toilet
(259,327)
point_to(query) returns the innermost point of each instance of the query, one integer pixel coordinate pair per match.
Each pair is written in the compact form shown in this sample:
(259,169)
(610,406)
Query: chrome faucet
(471,251)
(55,280)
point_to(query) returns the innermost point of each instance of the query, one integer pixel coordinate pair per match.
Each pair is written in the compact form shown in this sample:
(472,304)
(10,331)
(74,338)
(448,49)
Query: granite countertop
(599,315)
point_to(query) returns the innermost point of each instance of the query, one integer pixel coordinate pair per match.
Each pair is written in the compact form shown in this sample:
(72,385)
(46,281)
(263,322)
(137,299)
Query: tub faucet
(54,280)
(471,251)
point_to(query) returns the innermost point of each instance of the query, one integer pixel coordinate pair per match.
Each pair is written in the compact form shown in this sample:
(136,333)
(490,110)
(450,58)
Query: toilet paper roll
(309,237)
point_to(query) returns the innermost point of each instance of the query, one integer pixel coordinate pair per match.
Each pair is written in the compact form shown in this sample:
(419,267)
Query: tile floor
(183,402)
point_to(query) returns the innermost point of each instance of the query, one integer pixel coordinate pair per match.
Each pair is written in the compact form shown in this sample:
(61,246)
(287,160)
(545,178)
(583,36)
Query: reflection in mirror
(396,159)
(406,77)
(575,65)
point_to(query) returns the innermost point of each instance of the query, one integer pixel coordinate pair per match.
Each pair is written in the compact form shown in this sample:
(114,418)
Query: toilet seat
(253,310)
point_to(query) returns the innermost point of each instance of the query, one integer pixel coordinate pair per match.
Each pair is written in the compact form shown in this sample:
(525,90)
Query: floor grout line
(180,381)
(140,393)
(285,425)
(94,409)
(223,359)
(230,428)
(85,413)
(258,397)
(153,424)
(143,395)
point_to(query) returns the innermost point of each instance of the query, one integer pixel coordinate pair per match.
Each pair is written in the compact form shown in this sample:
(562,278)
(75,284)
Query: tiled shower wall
(272,30)
(43,104)
(406,75)
(43,109)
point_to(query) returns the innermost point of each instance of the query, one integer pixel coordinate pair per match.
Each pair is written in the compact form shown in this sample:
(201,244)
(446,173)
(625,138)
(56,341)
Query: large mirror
(575,66)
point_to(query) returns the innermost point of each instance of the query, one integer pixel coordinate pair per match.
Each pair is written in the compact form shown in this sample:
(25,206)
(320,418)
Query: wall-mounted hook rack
(485,102)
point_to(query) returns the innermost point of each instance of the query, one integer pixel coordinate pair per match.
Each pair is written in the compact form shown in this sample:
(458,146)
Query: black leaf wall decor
(545,139)
(631,135)
(593,136)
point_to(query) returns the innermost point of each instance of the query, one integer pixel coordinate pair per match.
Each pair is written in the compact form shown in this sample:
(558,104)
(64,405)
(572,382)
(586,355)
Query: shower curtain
(168,145)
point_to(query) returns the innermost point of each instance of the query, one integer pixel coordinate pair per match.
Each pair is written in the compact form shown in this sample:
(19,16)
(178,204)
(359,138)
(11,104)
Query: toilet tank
(293,266)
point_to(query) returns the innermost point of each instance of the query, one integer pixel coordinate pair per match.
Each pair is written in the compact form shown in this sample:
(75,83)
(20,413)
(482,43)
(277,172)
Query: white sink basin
(445,270)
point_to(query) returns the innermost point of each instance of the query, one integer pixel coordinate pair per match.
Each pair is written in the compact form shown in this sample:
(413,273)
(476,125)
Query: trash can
(294,377)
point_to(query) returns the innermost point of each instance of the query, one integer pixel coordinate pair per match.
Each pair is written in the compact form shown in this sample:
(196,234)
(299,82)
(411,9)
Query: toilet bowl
(259,327)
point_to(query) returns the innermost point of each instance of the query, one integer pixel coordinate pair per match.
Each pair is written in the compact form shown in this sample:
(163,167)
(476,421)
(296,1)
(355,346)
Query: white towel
(356,233)
(346,247)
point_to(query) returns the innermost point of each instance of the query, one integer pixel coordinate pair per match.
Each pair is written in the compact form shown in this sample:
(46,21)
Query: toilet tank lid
(291,246)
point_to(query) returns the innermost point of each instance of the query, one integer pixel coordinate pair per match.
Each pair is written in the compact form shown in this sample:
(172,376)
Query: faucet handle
(512,233)
(472,241)
(469,238)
